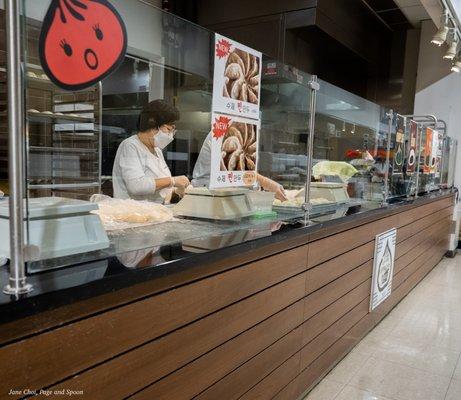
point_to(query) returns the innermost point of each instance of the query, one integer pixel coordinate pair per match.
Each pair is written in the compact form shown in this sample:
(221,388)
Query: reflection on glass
(350,145)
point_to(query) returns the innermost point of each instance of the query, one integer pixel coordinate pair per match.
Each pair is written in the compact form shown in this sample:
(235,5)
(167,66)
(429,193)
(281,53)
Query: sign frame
(383,267)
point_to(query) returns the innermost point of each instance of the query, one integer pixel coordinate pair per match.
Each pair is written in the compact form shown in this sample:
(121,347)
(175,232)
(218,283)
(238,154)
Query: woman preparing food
(140,171)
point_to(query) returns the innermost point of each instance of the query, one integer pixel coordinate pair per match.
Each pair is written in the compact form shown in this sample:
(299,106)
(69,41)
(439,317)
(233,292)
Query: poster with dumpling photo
(234,150)
(237,78)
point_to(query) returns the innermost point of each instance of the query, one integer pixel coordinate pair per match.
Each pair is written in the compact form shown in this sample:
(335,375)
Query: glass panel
(400,175)
(349,150)
(284,131)
(429,177)
(73,138)
(453,149)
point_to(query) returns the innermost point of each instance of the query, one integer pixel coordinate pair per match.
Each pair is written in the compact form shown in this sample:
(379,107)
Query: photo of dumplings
(241,76)
(238,150)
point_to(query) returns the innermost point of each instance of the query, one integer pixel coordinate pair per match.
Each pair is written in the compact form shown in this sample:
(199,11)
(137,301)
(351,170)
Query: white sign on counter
(383,267)
(236,78)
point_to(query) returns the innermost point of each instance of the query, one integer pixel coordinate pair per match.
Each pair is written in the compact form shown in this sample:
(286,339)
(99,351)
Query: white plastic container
(260,201)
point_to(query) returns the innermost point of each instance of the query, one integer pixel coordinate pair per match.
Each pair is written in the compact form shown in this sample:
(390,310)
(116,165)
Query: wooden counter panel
(428,239)
(127,327)
(416,262)
(276,380)
(419,225)
(324,363)
(325,340)
(195,371)
(200,374)
(325,273)
(238,382)
(418,237)
(163,356)
(328,294)
(327,317)
(335,245)
(242,379)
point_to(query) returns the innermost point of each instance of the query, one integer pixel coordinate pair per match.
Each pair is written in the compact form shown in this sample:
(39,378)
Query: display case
(327,151)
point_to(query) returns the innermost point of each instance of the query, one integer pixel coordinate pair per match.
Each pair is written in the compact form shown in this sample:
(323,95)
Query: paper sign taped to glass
(234,151)
(383,267)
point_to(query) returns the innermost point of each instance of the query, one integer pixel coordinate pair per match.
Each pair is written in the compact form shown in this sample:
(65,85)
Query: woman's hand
(271,186)
(181,182)
(280,194)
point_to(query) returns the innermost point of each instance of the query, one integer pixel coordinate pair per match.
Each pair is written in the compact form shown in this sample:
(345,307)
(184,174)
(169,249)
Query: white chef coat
(202,168)
(135,170)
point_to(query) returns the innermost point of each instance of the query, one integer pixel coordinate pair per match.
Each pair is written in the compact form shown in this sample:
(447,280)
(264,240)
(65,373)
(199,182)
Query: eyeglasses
(170,128)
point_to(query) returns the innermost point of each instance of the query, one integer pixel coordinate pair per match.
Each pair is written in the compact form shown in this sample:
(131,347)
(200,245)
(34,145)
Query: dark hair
(155,114)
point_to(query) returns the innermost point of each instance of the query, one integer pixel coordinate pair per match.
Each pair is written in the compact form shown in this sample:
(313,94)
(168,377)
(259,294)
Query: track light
(452,50)
(456,66)
(441,36)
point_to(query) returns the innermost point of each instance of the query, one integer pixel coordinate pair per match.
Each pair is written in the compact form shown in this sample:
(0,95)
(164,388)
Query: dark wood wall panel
(266,329)
(322,250)
(418,237)
(327,317)
(130,326)
(330,270)
(240,380)
(325,296)
(175,350)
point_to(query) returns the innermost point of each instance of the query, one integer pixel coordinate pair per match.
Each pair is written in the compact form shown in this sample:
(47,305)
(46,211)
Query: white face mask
(162,139)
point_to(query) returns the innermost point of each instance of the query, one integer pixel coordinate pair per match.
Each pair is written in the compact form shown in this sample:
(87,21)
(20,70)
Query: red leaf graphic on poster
(220,126)
(81,42)
(222,48)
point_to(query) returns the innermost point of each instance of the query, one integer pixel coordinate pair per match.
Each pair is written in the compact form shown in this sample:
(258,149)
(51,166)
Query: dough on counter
(319,200)
(115,212)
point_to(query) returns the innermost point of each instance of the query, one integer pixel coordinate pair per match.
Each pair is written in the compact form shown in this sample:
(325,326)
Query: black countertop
(175,264)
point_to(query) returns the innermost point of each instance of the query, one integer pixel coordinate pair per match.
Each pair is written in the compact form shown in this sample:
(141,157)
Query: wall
(438,90)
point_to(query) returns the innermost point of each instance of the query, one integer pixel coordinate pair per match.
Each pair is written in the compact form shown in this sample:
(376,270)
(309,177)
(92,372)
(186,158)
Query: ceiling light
(456,66)
(452,50)
(441,36)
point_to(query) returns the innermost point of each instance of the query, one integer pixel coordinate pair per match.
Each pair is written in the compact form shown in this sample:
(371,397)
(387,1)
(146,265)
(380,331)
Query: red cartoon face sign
(81,42)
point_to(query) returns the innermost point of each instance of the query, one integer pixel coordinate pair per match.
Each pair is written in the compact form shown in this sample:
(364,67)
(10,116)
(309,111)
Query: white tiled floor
(413,354)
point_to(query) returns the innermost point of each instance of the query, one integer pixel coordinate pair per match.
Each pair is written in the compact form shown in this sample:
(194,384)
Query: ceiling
(400,13)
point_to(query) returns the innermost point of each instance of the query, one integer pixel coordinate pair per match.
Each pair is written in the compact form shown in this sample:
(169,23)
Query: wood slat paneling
(332,246)
(127,327)
(324,319)
(422,223)
(197,376)
(322,342)
(418,237)
(325,273)
(163,356)
(328,294)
